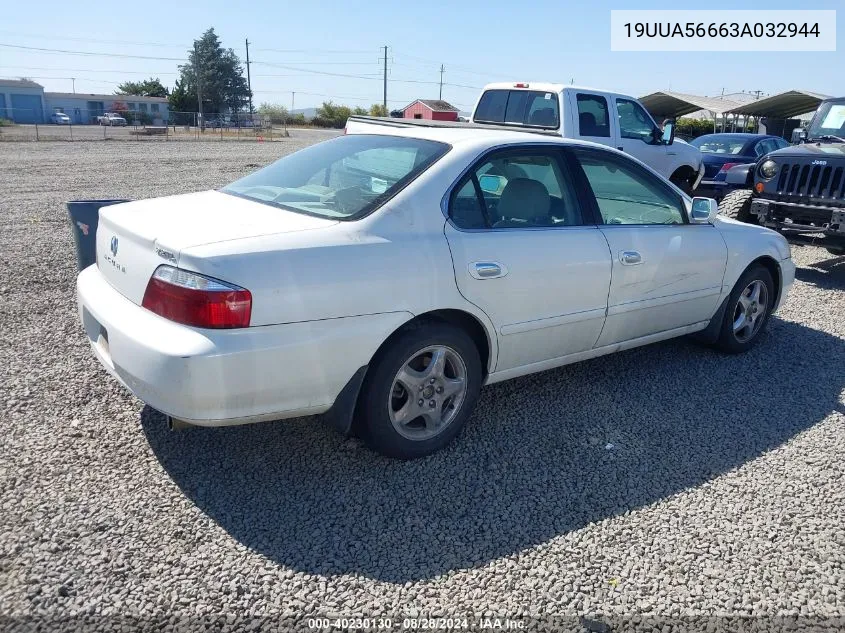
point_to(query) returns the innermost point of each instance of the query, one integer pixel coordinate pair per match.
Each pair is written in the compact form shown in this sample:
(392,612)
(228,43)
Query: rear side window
(593,119)
(516,189)
(531,108)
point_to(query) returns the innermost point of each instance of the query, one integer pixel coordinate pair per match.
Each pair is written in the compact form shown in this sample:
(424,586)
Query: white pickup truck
(599,116)
(111,118)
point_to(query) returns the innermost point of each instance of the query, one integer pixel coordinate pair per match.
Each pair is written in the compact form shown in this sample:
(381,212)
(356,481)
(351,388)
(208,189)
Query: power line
(314,51)
(67,52)
(92,70)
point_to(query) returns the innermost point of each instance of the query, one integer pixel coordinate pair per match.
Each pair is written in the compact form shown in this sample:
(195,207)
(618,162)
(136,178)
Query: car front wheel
(749,307)
(420,390)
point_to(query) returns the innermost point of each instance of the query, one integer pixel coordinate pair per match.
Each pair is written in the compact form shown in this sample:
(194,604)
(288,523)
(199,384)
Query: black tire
(728,340)
(374,422)
(737,205)
(681,183)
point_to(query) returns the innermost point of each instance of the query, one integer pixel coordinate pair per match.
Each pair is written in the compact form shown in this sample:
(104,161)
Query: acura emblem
(114,245)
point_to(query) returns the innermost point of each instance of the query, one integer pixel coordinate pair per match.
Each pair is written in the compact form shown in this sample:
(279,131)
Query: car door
(666,273)
(639,137)
(527,251)
(592,121)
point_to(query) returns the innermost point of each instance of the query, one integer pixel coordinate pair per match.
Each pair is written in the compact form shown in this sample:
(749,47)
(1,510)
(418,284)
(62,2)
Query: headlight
(768,169)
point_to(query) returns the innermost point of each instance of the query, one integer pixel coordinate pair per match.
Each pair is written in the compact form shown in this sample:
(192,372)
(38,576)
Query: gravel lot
(668,481)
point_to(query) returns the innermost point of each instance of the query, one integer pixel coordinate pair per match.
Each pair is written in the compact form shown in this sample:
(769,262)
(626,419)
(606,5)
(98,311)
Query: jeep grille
(811,181)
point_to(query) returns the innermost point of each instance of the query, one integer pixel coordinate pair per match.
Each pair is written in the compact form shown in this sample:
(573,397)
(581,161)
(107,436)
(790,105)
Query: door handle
(487,270)
(620,148)
(630,258)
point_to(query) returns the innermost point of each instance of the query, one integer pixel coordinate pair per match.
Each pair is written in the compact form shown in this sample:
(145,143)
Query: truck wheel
(681,182)
(420,390)
(737,205)
(749,307)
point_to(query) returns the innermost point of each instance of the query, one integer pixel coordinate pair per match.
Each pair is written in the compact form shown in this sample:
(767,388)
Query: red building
(432,109)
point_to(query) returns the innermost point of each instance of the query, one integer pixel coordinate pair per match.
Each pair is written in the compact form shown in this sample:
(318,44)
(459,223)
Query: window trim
(556,151)
(584,183)
(654,125)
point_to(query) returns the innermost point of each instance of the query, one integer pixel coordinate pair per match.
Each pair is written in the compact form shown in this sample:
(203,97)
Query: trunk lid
(135,238)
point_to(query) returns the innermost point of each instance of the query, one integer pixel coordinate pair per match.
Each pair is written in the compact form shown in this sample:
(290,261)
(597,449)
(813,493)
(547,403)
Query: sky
(302,47)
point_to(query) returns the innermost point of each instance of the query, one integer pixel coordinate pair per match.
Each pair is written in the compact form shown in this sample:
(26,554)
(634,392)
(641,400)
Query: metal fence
(18,124)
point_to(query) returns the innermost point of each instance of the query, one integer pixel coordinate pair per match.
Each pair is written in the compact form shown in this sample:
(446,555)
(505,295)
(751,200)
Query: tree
(151,87)
(331,115)
(223,85)
(278,113)
(378,109)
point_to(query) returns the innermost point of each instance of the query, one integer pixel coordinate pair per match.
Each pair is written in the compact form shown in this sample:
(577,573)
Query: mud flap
(341,414)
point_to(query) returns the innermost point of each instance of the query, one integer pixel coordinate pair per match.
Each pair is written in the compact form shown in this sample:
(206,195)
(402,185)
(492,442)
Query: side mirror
(668,131)
(704,210)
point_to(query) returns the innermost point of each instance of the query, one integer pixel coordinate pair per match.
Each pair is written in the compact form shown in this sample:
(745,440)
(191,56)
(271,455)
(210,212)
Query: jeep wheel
(737,205)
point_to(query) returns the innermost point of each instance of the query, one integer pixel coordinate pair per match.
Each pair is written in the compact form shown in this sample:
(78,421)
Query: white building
(25,101)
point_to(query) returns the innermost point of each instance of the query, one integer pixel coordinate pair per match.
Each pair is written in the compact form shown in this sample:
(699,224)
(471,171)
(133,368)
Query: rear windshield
(344,179)
(718,145)
(531,108)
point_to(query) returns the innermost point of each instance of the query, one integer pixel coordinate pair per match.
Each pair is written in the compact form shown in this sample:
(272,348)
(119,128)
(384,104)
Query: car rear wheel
(420,390)
(749,308)
(737,205)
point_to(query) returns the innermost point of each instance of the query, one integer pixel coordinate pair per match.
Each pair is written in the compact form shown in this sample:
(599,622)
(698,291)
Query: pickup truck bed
(397,122)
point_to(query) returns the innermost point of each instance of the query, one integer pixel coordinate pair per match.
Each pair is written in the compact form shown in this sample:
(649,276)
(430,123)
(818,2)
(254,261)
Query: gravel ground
(668,481)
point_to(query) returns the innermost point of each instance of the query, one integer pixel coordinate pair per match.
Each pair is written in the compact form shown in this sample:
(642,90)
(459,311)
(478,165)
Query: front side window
(531,108)
(593,119)
(344,178)
(626,194)
(634,121)
(516,190)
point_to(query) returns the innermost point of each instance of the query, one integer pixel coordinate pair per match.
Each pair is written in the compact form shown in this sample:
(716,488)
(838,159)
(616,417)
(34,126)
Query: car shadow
(543,455)
(828,274)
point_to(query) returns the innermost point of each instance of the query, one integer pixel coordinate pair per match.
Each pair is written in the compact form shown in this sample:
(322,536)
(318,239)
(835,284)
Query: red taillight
(727,166)
(197,300)
(520,85)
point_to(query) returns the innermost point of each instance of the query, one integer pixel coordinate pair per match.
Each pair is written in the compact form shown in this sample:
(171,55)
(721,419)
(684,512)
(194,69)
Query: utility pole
(73,79)
(292,97)
(248,82)
(442,70)
(199,86)
(385,79)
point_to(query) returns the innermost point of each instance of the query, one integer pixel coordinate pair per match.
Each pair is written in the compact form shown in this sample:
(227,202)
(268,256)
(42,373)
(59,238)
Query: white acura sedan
(384,276)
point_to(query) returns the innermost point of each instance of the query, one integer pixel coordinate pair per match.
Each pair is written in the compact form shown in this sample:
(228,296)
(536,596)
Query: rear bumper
(226,377)
(712,188)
